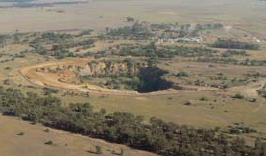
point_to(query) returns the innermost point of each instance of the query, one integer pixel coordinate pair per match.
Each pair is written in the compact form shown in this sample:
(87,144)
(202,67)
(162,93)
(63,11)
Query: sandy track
(47,80)
(40,79)
(44,80)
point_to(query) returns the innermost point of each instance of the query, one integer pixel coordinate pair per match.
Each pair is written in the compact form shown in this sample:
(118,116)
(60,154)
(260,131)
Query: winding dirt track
(45,80)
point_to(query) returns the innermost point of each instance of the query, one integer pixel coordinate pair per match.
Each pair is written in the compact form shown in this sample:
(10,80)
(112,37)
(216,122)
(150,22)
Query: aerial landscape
(132,77)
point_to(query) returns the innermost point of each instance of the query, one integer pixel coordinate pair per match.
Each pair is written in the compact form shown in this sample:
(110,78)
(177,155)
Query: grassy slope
(32,142)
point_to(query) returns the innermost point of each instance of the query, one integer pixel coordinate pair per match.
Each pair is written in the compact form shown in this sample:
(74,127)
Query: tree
(153,61)
(122,151)
(130,19)
(49,142)
(238,96)
(182,74)
(158,136)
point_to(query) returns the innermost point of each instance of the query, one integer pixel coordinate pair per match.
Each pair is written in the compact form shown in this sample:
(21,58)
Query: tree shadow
(92,152)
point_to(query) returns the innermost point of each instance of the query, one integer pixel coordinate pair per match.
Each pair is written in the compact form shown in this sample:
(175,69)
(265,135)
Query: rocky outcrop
(105,68)
(99,68)
(125,74)
(111,68)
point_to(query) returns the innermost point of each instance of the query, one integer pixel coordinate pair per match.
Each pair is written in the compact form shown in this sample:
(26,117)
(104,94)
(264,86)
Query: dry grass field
(199,105)
(99,14)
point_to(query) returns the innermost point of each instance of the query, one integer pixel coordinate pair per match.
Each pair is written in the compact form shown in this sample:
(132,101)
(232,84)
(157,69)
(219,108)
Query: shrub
(238,96)
(204,99)
(98,150)
(182,74)
(252,100)
(122,152)
(49,142)
(21,133)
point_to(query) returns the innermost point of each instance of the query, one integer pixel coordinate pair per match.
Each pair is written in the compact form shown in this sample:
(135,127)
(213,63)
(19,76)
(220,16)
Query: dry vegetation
(210,87)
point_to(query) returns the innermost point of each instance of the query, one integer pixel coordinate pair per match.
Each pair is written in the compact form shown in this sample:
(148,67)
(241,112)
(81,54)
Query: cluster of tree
(128,83)
(130,19)
(160,26)
(52,37)
(249,62)
(171,51)
(151,50)
(49,91)
(182,74)
(60,38)
(138,31)
(158,136)
(229,53)
(88,42)
(218,60)
(246,62)
(39,49)
(151,79)
(85,32)
(262,92)
(177,26)
(3,38)
(255,75)
(61,50)
(60,43)
(209,26)
(230,44)
(171,30)
(96,55)
(240,128)
(203,27)
(12,38)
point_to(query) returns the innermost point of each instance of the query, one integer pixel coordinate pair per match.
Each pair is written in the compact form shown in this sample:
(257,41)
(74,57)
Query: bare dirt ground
(52,80)
(48,80)
(67,144)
